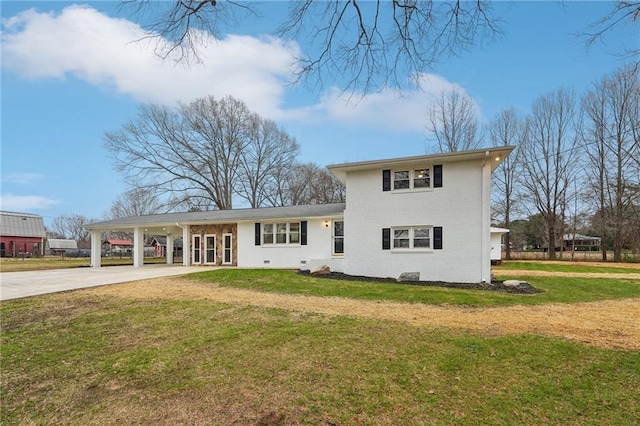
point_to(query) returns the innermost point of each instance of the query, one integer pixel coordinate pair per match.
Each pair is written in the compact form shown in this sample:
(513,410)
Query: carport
(140,226)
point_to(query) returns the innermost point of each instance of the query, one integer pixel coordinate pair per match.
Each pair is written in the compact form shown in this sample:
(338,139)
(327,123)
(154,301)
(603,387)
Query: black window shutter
(386,238)
(437,237)
(386,180)
(303,233)
(258,236)
(437,176)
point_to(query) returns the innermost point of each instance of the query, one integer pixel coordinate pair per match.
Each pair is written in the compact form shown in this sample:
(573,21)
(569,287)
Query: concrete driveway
(15,285)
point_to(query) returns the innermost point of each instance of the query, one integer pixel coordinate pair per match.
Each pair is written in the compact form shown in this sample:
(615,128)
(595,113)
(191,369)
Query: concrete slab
(15,285)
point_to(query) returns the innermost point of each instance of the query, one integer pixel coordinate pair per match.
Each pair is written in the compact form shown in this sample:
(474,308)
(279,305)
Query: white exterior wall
(456,207)
(295,256)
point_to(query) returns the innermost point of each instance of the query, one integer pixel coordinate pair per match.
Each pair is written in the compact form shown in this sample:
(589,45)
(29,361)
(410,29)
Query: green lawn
(76,358)
(565,267)
(41,263)
(556,290)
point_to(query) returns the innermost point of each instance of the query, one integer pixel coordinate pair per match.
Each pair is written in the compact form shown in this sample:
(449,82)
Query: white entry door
(210,249)
(195,250)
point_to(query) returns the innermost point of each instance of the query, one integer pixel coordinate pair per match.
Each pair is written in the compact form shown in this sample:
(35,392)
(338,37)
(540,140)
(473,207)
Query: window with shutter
(437,176)
(386,238)
(386,180)
(437,237)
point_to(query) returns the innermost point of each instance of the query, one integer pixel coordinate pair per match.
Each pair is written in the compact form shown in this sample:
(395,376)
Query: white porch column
(96,248)
(138,247)
(186,244)
(169,252)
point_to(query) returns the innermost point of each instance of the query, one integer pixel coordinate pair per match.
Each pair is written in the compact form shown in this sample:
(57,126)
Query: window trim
(334,237)
(274,234)
(411,238)
(411,178)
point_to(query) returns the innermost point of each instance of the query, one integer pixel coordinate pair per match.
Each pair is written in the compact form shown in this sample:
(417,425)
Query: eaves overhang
(495,155)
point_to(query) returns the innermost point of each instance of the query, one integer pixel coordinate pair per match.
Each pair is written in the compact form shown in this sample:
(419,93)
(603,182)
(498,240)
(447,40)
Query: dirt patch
(609,324)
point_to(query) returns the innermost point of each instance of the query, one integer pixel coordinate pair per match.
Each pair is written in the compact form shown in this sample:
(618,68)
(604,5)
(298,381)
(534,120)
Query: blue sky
(70,74)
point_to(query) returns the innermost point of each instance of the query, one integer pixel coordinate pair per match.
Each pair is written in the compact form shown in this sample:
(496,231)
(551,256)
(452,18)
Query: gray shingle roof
(222,216)
(21,225)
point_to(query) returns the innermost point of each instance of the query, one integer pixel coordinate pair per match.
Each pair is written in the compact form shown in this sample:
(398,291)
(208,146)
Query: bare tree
(368,45)
(304,184)
(453,122)
(195,154)
(507,128)
(136,202)
(611,121)
(550,159)
(269,152)
(71,227)
(623,12)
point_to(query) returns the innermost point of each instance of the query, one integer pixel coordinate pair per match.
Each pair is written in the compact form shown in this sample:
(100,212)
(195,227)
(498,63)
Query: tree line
(576,165)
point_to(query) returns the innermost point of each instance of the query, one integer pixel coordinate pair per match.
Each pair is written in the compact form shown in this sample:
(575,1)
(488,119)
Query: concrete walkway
(15,285)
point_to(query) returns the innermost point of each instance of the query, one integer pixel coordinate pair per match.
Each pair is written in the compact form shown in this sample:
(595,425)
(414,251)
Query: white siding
(456,207)
(317,250)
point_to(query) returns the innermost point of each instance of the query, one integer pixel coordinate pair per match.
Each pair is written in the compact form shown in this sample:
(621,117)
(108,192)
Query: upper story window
(281,233)
(399,180)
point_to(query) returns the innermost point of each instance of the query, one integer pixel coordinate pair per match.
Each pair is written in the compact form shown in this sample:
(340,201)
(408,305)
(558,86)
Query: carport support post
(186,250)
(96,248)
(169,252)
(138,247)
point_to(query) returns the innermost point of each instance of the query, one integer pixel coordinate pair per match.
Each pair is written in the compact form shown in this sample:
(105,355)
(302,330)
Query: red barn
(21,234)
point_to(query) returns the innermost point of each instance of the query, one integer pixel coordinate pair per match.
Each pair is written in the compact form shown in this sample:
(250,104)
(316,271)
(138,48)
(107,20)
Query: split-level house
(426,216)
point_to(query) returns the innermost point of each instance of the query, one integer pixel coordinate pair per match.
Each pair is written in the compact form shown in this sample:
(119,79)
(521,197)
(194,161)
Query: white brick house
(427,214)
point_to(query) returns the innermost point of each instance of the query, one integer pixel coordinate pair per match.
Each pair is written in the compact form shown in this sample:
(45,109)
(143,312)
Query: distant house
(60,246)
(159,245)
(21,234)
(580,242)
(117,246)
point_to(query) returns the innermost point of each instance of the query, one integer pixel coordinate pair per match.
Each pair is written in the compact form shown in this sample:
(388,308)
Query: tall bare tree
(71,227)
(136,202)
(550,159)
(611,121)
(269,152)
(507,128)
(195,155)
(452,121)
(305,183)
(366,44)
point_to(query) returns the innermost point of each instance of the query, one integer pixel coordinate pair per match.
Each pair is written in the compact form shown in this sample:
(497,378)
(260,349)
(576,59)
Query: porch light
(326,223)
(499,157)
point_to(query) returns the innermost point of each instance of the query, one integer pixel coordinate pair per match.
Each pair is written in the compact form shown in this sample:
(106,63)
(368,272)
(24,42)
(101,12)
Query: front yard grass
(78,358)
(562,266)
(556,289)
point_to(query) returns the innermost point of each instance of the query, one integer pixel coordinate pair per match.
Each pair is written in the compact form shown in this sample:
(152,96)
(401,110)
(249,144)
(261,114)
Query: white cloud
(22,178)
(10,202)
(392,109)
(82,42)
(87,44)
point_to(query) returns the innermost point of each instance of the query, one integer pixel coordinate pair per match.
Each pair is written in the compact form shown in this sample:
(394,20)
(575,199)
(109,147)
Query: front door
(227,249)
(195,254)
